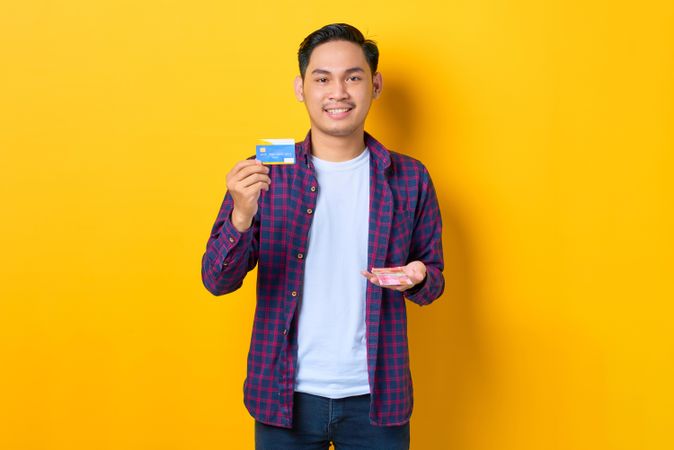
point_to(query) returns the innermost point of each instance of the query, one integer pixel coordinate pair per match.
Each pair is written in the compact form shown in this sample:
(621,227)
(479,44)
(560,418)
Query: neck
(337,148)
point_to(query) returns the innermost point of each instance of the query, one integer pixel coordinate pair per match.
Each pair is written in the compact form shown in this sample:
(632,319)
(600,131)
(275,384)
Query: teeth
(337,111)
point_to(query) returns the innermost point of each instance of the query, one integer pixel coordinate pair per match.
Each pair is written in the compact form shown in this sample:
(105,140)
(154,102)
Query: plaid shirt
(404,225)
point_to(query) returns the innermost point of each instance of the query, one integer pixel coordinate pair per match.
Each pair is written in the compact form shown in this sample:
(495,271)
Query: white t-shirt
(332,355)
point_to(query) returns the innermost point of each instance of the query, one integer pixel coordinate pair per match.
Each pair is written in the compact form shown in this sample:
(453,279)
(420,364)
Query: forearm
(230,254)
(427,248)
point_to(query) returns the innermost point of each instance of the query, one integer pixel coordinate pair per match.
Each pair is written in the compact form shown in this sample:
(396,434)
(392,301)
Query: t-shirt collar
(378,153)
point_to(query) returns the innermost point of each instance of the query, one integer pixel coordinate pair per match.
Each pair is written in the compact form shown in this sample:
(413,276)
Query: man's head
(338,79)
(337,32)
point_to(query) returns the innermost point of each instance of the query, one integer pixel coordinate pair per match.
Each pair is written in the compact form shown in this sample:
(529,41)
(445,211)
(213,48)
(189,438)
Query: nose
(339,91)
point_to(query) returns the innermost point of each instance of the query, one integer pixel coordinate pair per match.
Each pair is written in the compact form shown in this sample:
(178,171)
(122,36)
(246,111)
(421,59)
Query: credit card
(391,276)
(275,151)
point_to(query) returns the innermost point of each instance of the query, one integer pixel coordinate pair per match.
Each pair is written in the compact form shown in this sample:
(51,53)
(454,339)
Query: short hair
(337,32)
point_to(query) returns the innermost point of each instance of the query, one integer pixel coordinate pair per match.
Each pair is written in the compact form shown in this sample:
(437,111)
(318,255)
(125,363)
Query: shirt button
(231,239)
(313,188)
(285,331)
(309,211)
(300,256)
(294,293)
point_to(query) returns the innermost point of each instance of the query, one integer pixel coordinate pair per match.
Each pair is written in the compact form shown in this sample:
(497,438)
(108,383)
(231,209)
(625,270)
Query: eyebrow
(327,72)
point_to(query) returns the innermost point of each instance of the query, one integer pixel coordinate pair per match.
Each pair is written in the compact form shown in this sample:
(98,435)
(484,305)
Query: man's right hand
(244,183)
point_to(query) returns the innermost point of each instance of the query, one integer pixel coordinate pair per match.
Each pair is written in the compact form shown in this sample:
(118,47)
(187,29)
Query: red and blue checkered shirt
(404,226)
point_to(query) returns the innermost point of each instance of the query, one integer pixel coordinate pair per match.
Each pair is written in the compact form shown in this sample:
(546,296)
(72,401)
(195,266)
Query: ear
(299,88)
(377,85)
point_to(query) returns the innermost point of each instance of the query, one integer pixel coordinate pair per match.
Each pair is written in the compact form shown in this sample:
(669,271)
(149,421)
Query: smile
(338,113)
(337,110)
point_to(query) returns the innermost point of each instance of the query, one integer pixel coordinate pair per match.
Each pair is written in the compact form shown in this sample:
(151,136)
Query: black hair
(337,32)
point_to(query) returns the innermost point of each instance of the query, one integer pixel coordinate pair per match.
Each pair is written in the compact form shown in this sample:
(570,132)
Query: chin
(334,129)
(338,131)
(341,132)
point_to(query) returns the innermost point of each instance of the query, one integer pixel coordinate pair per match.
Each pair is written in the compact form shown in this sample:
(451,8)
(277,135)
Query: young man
(328,357)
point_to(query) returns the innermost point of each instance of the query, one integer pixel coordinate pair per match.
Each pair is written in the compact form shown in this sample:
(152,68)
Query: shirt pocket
(400,237)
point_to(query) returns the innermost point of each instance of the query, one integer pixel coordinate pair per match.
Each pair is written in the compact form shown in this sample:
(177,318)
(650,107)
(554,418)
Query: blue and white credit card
(275,151)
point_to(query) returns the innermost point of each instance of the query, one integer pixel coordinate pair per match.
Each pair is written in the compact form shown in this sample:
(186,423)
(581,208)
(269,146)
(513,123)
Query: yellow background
(546,125)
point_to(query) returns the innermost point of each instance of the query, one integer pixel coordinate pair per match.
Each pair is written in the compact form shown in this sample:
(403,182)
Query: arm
(233,246)
(426,245)
(230,254)
(425,260)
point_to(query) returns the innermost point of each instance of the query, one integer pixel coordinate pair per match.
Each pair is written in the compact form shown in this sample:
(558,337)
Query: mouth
(338,113)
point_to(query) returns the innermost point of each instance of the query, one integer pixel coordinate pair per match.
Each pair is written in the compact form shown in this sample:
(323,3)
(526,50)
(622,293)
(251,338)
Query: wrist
(241,222)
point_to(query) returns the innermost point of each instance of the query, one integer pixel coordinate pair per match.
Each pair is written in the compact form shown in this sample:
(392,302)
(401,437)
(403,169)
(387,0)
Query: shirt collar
(378,153)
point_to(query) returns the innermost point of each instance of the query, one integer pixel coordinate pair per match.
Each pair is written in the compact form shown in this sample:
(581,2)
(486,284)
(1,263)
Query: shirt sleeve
(230,254)
(426,245)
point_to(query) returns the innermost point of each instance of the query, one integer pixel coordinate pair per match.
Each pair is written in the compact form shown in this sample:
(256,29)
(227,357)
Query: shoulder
(408,167)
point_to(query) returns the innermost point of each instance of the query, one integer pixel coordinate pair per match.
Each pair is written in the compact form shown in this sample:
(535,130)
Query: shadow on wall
(448,368)
(394,117)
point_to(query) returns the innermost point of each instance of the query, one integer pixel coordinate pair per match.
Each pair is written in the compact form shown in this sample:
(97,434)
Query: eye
(354,78)
(321,80)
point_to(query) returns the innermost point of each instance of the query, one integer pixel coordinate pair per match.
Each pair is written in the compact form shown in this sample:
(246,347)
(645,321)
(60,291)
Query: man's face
(338,88)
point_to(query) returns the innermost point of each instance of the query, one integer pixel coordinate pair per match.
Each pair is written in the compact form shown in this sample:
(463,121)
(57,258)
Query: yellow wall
(548,129)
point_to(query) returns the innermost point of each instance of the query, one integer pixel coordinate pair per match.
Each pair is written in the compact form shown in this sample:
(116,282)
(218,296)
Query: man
(328,358)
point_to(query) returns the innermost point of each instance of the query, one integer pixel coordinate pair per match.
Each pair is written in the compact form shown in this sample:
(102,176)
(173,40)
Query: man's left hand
(415,271)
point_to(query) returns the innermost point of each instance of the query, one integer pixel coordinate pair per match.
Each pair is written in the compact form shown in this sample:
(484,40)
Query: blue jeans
(318,421)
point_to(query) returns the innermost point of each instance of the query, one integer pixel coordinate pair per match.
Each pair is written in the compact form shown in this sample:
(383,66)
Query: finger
(254,179)
(254,189)
(414,272)
(410,270)
(243,171)
(243,164)
(368,275)
(247,171)
(373,279)
(242,184)
(415,277)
